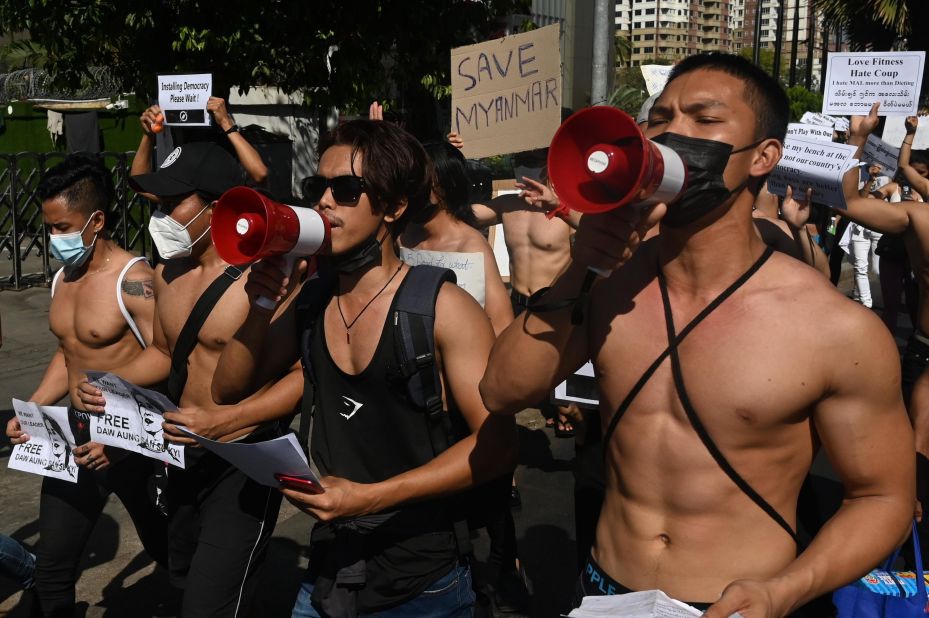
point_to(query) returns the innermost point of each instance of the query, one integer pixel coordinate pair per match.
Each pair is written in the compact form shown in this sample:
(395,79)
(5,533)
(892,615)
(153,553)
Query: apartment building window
(648,37)
(638,11)
(765,33)
(648,50)
(648,24)
(649,11)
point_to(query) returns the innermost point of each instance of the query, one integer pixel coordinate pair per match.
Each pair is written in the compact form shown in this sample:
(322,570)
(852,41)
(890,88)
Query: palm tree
(623,50)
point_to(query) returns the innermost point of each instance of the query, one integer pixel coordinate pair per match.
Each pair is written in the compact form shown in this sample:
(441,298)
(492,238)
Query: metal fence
(23,237)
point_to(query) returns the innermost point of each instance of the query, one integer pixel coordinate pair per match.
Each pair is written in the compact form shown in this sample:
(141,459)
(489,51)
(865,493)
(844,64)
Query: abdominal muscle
(673,520)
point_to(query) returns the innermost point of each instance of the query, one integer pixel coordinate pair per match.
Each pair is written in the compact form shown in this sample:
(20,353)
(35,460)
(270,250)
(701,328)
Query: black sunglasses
(346,190)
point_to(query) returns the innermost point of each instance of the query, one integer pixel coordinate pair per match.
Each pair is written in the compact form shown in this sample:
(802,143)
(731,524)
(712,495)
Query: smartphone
(299,483)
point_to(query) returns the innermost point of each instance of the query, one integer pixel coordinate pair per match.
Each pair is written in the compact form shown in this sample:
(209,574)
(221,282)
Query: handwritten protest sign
(468,267)
(855,80)
(809,131)
(656,76)
(183,99)
(816,118)
(876,151)
(816,164)
(48,451)
(506,93)
(132,419)
(895,131)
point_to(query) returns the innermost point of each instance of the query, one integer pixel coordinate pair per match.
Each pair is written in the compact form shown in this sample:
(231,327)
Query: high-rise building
(668,30)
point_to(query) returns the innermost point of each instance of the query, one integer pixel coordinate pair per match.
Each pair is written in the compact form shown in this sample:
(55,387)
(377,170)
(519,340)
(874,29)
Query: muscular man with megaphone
(220,520)
(707,349)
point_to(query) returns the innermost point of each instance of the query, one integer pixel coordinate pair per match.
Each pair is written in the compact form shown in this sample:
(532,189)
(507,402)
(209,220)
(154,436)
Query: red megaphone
(600,160)
(249,226)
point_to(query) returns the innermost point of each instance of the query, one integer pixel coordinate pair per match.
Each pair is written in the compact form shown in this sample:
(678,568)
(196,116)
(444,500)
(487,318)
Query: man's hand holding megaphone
(606,241)
(269,279)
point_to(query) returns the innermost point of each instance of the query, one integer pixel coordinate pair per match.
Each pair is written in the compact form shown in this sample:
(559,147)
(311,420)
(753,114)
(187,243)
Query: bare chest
(533,231)
(86,313)
(177,302)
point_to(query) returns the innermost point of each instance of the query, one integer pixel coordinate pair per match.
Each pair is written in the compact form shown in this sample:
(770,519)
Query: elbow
(259,174)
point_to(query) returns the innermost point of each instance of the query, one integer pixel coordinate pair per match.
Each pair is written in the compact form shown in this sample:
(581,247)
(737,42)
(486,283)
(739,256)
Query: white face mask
(170,237)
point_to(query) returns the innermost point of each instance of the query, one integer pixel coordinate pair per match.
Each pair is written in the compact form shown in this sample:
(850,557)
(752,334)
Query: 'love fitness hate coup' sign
(856,80)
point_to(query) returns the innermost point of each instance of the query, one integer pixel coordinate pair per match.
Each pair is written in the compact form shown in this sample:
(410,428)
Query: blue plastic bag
(857,601)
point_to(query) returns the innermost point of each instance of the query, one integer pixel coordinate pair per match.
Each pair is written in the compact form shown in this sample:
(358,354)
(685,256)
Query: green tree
(334,52)
(630,90)
(766,61)
(802,101)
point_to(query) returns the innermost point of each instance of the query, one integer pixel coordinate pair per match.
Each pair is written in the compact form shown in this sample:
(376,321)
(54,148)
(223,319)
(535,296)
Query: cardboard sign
(183,99)
(816,164)
(132,419)
(855,80)
(809,131)
(468,267)
(506,93)
(895,131)
(818,119)
(876,151)
(656,76)
(49,449)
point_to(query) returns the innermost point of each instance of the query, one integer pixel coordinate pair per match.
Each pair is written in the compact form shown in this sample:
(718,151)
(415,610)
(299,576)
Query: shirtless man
(755,382)
(220,521)
(101,312)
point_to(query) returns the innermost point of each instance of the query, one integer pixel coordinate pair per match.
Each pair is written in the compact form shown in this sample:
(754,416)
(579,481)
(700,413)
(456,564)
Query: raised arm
(796,214)
(542,346)
(903,159)
(152,121)
(866,434)
(249,158)
(871,213)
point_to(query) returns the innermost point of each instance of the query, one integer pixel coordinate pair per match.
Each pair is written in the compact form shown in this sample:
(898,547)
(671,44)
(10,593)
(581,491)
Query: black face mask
(705,160)
(365,254)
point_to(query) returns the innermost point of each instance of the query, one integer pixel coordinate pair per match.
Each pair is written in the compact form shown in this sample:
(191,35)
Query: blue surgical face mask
(69,249)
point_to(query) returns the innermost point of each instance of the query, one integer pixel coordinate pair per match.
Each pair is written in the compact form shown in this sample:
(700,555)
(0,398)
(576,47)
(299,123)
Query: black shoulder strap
(694,418)
(186,341)
(309,306)
(414,343)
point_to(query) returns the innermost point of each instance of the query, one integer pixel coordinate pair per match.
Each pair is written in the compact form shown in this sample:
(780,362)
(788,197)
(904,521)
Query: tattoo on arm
(145,288)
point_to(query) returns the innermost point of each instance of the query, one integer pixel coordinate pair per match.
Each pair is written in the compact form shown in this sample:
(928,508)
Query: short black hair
(452,183)
(763,93)
(919,156)
(84,183)
(396,167)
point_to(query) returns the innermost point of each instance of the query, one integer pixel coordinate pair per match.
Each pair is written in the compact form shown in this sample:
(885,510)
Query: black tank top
(364,428)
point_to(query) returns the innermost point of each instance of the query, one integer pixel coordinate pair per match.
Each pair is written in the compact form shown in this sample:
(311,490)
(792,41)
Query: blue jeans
(16,562)
(450,596)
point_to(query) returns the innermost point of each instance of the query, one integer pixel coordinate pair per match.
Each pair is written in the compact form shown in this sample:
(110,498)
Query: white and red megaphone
(600,160)
(248,226)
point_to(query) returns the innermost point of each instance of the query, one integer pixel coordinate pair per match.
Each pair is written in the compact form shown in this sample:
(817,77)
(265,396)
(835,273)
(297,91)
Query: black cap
(203,167)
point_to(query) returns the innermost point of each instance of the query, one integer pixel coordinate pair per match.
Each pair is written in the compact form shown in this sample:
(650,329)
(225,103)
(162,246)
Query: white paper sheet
(183,99)
(468,267)
(645,604)
(132,420)
(816,164)
(48,451)
(260,461)
(855,80)
(876,150)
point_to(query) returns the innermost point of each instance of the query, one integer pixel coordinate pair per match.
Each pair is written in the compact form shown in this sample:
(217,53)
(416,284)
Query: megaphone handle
(266,303)
(602,272)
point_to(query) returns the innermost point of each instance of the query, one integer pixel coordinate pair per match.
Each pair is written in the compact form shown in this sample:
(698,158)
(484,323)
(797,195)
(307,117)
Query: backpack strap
(414,343)
(122,305)
(187,340)
(312,300)
(55,280)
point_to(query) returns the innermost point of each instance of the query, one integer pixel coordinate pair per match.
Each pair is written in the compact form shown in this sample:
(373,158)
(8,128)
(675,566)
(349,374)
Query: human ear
(398,211)
(765,157)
